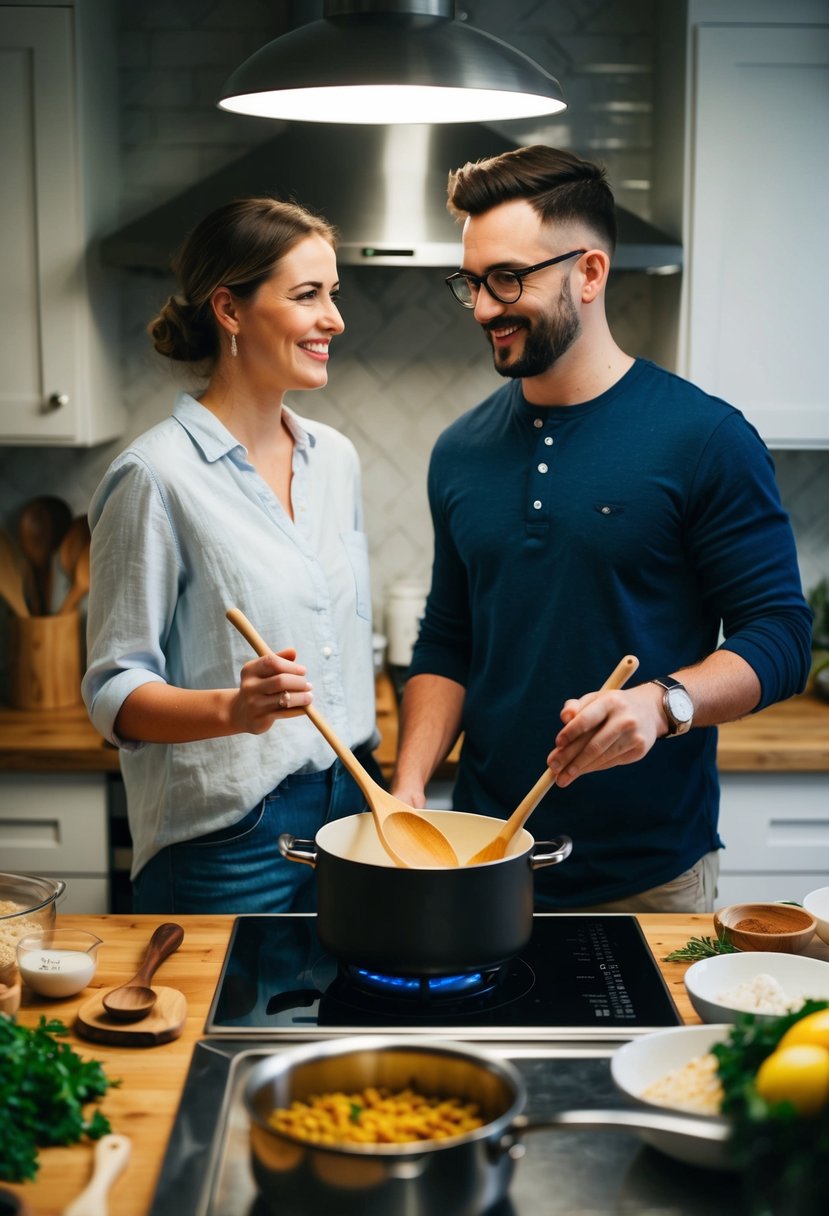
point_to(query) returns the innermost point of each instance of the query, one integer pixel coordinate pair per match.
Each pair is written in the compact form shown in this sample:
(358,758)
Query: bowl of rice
(767,985)
(28,904)
(674,1069)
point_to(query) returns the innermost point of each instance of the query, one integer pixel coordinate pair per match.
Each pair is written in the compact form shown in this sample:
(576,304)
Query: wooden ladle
(135,999)
(496,848)
(408,838)
(42,526)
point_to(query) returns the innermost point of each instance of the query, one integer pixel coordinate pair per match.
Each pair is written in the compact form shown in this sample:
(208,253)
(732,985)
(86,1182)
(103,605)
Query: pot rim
(283,1061)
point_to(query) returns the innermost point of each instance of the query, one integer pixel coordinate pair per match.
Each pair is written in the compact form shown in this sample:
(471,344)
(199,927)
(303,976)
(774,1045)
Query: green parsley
(44,1085)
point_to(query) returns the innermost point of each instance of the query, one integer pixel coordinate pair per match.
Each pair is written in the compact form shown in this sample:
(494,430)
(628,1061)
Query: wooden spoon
(112,1152)
(134,1000)
(41,528)
(408,838)
(497,847)
(11,577)
(80,582)
(76,538)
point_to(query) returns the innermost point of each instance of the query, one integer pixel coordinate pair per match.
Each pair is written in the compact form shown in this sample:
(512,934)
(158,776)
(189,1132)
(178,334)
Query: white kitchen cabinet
(755,126)
(775,827)
(55,825)
(58,192)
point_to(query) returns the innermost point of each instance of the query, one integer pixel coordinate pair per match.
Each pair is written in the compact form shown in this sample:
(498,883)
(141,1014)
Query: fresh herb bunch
(44,1085)
(700,947)
(783,1157)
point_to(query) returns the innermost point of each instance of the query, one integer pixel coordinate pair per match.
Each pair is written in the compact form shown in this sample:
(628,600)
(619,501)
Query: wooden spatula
(497,847)
(408,838)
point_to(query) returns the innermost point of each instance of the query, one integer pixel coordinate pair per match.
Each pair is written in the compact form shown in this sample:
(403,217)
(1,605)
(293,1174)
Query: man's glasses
(505,286)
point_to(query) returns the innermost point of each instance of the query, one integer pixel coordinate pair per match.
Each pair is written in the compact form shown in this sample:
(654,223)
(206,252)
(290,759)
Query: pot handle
(550,852)
(697,1127)
(294,849)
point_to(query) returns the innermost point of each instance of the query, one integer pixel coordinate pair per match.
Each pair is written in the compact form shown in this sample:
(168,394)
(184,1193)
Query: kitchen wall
(411,360)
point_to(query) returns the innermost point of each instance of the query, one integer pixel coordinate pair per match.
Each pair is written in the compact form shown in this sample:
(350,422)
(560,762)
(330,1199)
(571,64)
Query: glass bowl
(27,905)
(58,962)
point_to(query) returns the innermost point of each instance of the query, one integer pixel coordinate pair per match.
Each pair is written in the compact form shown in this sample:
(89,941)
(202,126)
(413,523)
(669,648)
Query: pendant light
(390,61)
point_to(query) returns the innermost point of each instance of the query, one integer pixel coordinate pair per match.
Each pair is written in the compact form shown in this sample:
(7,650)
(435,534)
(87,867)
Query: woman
(234,500)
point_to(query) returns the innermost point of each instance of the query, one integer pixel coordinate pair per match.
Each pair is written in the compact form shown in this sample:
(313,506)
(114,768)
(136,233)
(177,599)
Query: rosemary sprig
(700,947)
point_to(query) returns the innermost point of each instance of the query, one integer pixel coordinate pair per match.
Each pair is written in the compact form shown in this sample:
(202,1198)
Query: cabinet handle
(57,401)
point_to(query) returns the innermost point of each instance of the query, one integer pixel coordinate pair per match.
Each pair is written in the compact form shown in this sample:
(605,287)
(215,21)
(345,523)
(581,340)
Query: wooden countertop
(144,1105)
(790,737)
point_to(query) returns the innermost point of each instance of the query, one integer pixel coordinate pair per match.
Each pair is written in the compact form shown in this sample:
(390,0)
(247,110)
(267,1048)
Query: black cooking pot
(423,922)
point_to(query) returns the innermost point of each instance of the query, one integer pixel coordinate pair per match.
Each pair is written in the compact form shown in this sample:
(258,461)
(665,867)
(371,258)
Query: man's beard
(547,339)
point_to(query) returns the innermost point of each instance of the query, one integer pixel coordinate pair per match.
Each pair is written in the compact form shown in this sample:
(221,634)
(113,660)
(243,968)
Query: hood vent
(384,187)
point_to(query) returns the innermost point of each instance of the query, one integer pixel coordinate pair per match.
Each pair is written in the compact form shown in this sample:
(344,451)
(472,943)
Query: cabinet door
(57,322)
(756,277)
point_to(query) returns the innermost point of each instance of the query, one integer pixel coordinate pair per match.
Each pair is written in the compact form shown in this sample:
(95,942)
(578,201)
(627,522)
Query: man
(594,506)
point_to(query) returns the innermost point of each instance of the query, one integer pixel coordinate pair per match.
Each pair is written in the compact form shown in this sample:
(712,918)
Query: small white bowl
(817,903)
(641,1062)
(712,978)
(58,962)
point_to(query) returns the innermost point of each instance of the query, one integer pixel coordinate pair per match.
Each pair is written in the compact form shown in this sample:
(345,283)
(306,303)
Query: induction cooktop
(580,977)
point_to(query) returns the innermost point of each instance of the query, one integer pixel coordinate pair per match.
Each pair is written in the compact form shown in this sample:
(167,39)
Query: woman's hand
(270,687)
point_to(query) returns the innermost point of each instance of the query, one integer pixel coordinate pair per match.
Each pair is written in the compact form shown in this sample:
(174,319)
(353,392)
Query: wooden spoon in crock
(408,838)
(495,849)
(134,1000)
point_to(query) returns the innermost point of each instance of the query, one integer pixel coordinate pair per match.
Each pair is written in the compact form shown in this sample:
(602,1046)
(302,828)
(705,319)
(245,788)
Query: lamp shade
(387,62)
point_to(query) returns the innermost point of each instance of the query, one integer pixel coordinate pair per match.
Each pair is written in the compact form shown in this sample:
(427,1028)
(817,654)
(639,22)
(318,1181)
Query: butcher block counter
(790,737)
(144,1105)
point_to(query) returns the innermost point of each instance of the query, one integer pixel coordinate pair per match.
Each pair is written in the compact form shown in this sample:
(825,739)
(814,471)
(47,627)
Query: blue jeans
(240,869)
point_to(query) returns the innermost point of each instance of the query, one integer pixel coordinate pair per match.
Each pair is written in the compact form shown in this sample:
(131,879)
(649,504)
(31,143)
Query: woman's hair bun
(182,332)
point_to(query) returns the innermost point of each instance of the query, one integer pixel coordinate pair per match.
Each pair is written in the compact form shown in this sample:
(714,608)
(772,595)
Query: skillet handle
(550,852)
(294,849)
(698,1129)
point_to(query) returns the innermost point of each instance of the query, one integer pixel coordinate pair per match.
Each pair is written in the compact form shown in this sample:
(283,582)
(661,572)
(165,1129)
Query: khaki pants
(693,891)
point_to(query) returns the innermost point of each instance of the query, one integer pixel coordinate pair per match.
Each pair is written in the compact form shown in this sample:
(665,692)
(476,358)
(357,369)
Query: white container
(59,962)
(405,602)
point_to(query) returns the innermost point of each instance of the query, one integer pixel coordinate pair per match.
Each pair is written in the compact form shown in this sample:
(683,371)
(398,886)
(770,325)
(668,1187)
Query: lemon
(799,1075)
(813,1031)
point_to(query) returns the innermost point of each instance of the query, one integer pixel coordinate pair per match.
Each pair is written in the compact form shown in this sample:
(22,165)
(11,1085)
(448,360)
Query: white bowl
(817,903)
(712,978)
(643,1061)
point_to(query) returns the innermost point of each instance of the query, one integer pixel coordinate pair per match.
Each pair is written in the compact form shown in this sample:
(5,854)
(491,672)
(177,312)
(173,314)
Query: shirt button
(542,468)
(537,504)
(605,510)
(548,439)
(538,422)
(327,652)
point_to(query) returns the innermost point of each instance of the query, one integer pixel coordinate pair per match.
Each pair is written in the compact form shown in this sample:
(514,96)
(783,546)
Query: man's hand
(603,729)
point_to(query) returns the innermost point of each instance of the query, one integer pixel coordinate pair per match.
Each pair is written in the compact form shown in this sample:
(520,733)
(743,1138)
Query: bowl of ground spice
(785,928)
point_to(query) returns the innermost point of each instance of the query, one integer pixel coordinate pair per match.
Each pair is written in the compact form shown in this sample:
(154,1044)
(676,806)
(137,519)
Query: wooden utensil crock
(45,661)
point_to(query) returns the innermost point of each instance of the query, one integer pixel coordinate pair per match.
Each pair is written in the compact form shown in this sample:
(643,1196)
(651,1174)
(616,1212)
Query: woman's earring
(233,349)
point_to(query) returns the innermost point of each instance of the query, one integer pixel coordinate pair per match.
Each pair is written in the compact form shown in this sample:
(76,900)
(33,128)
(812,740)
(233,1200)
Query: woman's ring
(286,699)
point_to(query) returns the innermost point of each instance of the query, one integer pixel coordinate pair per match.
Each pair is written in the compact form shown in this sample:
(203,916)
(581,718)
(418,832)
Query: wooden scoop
(408,838)
(497,847)
(135,1000)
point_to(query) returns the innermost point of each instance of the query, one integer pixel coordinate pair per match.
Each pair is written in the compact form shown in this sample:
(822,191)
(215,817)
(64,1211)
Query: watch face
(680,704)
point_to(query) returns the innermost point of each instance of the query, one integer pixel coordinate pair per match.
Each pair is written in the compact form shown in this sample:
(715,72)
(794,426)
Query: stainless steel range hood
(384,188)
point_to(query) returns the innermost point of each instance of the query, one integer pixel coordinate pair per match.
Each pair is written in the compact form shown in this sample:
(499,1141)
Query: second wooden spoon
(408,838)
(134,1000)
(495,849)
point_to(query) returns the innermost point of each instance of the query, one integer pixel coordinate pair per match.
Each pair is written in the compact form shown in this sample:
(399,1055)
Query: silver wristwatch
(678,706)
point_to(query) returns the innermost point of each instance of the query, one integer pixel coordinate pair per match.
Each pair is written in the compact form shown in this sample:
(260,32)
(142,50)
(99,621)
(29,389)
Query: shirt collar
(214,439)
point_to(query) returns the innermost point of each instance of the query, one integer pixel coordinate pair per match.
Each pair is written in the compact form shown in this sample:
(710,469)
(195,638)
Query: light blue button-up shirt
(183,528)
